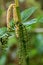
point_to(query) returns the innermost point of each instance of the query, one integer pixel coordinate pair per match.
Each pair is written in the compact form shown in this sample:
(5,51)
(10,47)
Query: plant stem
(16,12)
(17,3)
(21,34)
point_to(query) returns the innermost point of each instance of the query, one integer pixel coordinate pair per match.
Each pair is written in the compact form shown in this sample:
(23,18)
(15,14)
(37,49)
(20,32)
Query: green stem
(17,3)
(22,37)
(18,10)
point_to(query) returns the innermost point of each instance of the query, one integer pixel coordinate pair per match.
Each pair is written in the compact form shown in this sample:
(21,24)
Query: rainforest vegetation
(21,32)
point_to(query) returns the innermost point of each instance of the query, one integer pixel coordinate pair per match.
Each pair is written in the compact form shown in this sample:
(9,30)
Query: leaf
(33,21)
(3,31)
(27,13)
(12,23)
(30,22)
(40,19)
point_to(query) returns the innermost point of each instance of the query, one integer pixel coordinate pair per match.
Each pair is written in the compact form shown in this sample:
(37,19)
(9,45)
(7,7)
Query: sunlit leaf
(34,21)
(27,13)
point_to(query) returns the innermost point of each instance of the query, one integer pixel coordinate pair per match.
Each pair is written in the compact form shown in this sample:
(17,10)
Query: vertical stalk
(17,3)
(16,12)
(21,34)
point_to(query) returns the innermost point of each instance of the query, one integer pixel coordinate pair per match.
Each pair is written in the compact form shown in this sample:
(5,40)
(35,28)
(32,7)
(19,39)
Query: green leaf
(3,31)
(12,23)
(27,13)
(33,21)
(40,19)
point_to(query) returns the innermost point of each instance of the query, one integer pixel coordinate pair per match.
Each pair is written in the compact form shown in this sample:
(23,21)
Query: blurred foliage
(7,39)
(0,11)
